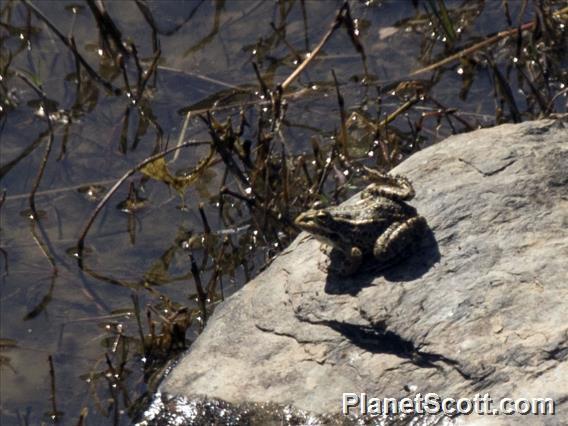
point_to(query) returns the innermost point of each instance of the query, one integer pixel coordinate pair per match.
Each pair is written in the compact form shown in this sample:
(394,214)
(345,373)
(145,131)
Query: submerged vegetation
(154,156)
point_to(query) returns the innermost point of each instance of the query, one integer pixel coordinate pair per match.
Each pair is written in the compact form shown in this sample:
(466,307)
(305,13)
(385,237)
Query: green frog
(380,225)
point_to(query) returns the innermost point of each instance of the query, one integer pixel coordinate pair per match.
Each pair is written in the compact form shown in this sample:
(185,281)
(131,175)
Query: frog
(380,226)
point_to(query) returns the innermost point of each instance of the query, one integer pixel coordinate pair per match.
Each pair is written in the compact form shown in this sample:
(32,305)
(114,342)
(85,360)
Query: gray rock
(481,307)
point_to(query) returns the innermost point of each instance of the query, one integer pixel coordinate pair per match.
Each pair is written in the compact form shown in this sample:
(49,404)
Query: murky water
(84,319)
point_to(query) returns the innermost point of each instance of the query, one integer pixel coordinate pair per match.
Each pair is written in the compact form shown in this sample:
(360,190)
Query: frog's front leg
(397,238)
(342,263)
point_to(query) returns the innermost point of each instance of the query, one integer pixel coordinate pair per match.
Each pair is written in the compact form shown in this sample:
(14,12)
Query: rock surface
(481,307)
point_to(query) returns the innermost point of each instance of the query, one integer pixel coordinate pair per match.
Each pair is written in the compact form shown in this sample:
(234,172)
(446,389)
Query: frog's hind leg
(393,187)
(397,238)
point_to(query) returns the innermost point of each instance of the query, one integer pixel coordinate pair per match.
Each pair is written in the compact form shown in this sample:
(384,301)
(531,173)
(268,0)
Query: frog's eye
(322,214)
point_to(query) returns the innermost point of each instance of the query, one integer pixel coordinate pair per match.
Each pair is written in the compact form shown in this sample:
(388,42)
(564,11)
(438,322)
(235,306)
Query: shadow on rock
(420,259)
(379,340)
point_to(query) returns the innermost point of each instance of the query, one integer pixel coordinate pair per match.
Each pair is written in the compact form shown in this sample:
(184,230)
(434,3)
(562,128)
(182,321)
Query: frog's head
(322,224)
